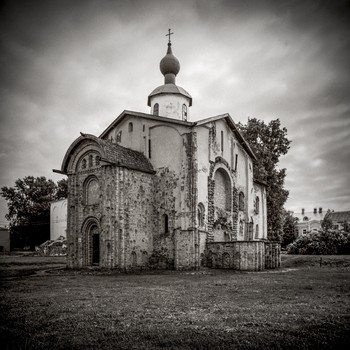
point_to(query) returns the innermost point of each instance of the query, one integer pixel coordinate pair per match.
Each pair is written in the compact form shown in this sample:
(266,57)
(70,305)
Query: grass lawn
(300,306)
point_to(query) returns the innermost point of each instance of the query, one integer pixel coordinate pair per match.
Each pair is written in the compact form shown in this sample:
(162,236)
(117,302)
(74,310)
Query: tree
(29,206)
(269,142)
(290,229)
(327,223)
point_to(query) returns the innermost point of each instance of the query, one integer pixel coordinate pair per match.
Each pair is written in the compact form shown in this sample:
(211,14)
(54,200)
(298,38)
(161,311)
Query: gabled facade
(159,191)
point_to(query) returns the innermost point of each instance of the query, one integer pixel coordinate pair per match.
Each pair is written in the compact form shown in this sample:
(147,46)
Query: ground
(303,305)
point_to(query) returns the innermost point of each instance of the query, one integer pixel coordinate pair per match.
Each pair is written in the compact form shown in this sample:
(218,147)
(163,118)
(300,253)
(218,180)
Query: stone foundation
(243,255)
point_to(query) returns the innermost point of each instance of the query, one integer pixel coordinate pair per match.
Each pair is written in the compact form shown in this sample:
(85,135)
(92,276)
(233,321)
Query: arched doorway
(91,245)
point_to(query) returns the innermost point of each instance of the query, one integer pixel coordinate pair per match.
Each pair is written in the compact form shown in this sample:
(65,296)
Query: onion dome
(169,66)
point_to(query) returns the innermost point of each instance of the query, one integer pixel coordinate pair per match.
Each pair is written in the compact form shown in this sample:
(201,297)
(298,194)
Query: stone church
(161,191)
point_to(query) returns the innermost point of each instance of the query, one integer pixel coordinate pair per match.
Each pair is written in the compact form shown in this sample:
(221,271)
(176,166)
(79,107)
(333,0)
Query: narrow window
(131,127)
(165,222)
(232,154)
(149,149)
(200,214)
(119,137)
(257,205)
(97,160)
(241,201)
(257,231)
(133,259)
(184,112)
(83,164)
(236,161)
(156,109)
(222,141)
(90,160)
(241,228)
(143,127)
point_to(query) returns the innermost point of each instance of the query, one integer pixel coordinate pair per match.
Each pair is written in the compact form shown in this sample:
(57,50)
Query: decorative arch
(91,241)
(228,220)
(79,149)
(222,189)
(91,188)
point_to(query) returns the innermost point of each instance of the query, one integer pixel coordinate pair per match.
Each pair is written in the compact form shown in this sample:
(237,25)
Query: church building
(161,191)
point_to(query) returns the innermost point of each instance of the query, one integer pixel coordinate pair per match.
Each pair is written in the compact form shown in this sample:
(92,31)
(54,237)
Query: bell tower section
(170,100)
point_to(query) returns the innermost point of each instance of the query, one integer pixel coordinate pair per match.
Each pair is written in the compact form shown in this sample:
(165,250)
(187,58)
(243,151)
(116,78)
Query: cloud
(75,66)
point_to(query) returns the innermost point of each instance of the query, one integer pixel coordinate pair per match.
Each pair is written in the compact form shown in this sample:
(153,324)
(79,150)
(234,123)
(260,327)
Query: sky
(73,66)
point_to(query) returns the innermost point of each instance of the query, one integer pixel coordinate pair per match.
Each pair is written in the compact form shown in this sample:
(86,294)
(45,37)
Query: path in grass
(305,308)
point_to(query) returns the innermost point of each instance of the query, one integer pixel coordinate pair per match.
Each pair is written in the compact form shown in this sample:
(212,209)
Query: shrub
(321,243)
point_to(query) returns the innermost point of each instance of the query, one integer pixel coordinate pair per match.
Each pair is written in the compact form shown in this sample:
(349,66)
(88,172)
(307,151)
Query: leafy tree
(327,223)
(29,207)
(269,142)
(290,229)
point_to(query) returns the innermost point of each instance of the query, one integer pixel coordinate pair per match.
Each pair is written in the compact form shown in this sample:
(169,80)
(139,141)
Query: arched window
(184,112)
(200,214)
(257,205)
(90,160)
(92,191)
(241,201)
(156,109)
(305,218)
(131,127)
(257,231)
(83,164)
(165,223)
(97,160)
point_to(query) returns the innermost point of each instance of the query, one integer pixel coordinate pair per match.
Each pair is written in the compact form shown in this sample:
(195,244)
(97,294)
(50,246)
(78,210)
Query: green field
(301,306)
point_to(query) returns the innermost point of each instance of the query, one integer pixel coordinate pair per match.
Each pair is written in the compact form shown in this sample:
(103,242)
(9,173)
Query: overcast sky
(71,66)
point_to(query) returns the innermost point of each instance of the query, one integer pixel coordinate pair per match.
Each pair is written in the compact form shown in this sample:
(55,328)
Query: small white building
(309,221)
(58,219)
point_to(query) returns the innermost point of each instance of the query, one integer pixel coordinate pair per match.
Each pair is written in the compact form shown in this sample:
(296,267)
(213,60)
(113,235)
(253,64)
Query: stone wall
(243,255)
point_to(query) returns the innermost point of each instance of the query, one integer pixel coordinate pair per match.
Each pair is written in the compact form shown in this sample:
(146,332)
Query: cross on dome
(169,33)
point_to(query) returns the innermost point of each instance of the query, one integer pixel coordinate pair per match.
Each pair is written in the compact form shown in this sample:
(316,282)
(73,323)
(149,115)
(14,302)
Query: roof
(311,216)
(126,113)
(111,153)
(233,127)
(169,89)
(340,216)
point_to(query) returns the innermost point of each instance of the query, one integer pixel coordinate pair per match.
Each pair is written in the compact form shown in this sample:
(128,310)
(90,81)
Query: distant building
(4,239)
(309,221)
(58,219)
(339,217)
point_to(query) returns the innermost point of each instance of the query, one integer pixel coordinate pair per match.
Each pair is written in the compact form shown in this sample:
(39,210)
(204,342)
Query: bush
(321,243)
